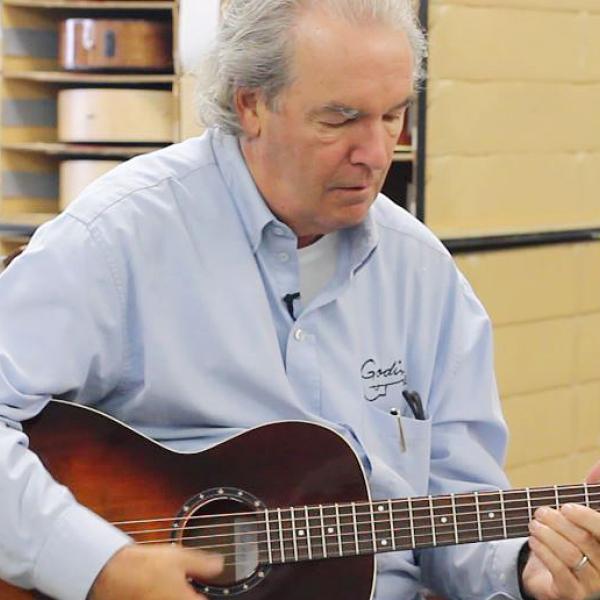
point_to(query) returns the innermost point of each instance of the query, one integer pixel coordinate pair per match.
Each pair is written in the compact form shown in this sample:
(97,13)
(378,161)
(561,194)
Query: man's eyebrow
(349,112)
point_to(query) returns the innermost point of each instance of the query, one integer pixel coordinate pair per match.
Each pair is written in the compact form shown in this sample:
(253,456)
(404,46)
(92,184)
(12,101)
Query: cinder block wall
(514,146)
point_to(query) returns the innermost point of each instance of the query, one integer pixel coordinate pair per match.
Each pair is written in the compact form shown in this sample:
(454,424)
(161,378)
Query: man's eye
(336,124)
(393,118)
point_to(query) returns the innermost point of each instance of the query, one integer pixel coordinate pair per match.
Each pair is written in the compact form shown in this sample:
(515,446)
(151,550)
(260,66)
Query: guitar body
(123,476)
(115,45)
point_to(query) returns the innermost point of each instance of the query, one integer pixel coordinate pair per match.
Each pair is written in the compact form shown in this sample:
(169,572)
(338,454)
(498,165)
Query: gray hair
(254,49)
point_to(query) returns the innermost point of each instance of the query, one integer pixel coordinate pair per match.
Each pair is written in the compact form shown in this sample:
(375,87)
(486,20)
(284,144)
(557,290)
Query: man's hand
(154,573)
(560,541)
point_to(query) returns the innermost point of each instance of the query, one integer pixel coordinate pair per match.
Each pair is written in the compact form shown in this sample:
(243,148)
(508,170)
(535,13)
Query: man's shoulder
(397,224)
(142,179)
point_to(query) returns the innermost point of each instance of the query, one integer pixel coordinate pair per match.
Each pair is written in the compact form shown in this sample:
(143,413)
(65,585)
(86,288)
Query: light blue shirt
(157,297)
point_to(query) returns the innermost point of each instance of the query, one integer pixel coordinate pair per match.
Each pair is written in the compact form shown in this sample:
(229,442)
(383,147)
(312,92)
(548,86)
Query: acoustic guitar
(287,504)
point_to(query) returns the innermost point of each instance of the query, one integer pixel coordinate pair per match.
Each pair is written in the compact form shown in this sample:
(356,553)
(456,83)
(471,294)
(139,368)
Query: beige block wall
(514,146)
(513,116)
(545,306)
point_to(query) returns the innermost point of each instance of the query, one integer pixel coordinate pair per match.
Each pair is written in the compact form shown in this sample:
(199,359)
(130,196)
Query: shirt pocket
(409,457)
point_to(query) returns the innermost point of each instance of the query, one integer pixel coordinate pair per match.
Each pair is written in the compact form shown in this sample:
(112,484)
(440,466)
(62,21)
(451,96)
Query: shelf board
(72,77)
(403,156)
(95,4)
(62,149)
(22,224)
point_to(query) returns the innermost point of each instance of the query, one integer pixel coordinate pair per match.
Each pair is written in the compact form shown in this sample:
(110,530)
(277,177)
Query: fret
(454,518)
(479,534)
(587,494)
(423,534)
(315,537)
(556,498)
(332,532)
(574,494)
(366,528)
(294,540)
(402,530)
(268,532)
(391,514)
(412,523)
(323,540)
(442,522)
(355,528)
(338,525)
(505,534)
(467,518)
(529,510)
(595,497)
(383,528)
(281,542)
(300,526)
(349,533)
(308,543)
(518,509)
(491,516)
(432,521)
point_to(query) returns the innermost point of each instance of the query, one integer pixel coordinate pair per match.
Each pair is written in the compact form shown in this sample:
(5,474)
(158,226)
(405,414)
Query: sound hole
(230,528)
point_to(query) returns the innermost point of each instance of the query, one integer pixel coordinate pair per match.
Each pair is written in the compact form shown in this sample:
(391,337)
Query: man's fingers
(565,581)
(202,565)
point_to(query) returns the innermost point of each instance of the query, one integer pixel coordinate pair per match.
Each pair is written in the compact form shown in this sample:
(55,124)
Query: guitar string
(333,548)
(400,530)
(378,518)
(425,509)
(592,489)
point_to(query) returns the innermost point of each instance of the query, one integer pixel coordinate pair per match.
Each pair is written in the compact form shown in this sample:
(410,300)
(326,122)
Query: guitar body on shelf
(124,476)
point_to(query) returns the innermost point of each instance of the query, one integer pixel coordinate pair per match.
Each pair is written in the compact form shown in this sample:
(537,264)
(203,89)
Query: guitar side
(123,476)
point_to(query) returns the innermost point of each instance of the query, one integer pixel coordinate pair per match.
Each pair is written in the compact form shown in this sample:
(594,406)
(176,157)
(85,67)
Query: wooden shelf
(79,150)
(403,156)
(77,77)
(94,4)
(23,224)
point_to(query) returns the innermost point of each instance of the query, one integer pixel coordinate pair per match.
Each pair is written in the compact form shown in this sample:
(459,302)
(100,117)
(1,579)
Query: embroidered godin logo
(377,380)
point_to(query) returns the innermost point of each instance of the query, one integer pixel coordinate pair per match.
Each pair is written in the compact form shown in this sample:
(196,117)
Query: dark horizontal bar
(20,229)
(520,240)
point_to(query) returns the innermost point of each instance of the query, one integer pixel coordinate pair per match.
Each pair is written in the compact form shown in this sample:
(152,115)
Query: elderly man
(254,275)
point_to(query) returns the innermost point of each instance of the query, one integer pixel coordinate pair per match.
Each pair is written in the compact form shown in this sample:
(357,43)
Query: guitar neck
(349,529)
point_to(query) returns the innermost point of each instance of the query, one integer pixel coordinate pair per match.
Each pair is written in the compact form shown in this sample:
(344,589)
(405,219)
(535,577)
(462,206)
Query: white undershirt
(317,266)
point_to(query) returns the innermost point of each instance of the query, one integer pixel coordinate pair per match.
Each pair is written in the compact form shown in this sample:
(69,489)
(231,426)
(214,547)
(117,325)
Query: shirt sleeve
(469,439)
(60,336)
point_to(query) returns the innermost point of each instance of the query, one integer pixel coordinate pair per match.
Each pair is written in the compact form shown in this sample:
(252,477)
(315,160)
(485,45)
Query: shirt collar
(255,213)
(253,210)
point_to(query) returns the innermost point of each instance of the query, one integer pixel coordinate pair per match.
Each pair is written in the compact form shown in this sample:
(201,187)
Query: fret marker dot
(301,532)
(330,530)
(381,508)
(384,542)
(491,515)
(444,520)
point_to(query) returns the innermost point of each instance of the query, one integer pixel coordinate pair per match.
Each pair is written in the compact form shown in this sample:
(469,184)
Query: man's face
(320,158)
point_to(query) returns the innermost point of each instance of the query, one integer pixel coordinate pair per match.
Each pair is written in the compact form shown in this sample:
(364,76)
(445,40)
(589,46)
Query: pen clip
(396,413)
(416,405)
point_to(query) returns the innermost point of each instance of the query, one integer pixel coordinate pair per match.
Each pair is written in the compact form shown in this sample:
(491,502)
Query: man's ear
(249,107)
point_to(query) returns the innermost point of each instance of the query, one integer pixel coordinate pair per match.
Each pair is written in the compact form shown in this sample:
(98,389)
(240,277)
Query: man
(167,296)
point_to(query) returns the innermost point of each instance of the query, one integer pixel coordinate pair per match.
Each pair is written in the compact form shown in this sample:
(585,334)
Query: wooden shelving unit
(30,151)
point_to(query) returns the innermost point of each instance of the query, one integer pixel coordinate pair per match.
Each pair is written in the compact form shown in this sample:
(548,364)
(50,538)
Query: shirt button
(299,335)
(283,256)
(278,231)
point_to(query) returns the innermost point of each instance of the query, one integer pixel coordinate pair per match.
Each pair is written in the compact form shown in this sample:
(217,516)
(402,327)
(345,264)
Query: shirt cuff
(506,554)
(77,548)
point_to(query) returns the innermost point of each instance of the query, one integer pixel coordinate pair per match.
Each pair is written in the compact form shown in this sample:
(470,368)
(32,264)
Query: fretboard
(348,529)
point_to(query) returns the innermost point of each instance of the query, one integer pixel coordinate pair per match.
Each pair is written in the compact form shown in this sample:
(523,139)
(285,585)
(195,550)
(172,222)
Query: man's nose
(372,146)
